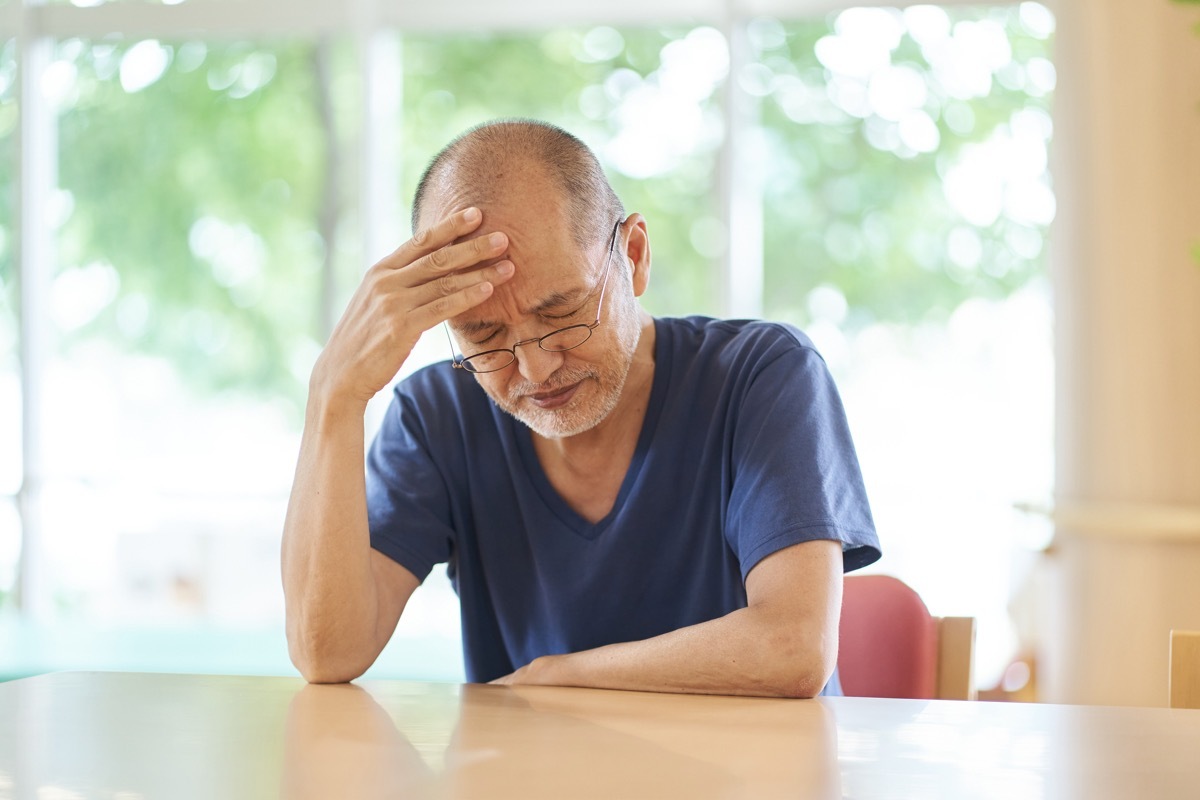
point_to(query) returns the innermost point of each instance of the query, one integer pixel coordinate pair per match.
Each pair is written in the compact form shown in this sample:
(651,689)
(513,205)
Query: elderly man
(623,501)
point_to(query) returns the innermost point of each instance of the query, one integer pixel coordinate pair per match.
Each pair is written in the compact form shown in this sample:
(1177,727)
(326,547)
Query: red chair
(892,647)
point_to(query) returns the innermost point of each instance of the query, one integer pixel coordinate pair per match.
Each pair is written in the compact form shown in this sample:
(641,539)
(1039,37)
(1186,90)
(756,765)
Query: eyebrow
(556,299)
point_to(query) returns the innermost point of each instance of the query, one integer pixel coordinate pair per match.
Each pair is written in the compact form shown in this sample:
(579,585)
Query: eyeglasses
(558,341)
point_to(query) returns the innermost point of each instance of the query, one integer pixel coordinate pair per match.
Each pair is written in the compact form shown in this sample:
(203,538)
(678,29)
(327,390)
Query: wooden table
(132,736)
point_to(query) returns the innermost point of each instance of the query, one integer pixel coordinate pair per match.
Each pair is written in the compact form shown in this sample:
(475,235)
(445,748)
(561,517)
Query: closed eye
(562,316)
(486,339)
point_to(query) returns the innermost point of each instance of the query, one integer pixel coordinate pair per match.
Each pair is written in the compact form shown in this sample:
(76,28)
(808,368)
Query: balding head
(484,165)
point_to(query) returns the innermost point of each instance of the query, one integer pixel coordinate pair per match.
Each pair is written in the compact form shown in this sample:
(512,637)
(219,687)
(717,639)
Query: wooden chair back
(1183,680)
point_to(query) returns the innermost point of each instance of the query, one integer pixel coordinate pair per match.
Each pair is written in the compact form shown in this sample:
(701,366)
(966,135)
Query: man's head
(486,160)
(545,191)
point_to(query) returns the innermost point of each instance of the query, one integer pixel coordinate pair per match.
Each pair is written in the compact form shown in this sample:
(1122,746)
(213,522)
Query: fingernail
(504,267)
(471,214)
(496,239)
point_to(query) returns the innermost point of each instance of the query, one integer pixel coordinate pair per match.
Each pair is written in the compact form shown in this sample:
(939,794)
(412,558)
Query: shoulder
(736,344)
(436,396)
(437,383)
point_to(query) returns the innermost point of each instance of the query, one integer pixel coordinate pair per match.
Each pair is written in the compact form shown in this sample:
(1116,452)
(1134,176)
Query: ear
(636,250)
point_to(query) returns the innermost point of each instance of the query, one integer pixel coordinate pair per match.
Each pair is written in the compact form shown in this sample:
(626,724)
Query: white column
(1127,170)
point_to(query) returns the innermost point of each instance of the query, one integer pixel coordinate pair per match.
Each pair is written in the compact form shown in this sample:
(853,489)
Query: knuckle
(446,286)
(439,259)
(421,238)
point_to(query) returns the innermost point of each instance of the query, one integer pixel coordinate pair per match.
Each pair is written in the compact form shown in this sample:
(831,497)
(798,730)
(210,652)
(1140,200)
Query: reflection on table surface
(83,735)
(487,741)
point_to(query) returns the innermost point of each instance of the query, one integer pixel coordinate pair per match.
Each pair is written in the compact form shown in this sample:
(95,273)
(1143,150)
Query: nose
(537,365)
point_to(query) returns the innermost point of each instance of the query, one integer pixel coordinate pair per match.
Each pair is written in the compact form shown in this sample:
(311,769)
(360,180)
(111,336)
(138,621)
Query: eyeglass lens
(553,342)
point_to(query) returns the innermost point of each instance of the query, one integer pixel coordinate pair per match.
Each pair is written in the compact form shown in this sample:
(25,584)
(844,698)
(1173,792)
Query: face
(556,283)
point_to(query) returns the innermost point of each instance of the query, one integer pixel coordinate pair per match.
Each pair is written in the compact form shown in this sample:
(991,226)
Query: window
(185,317)
(216,199)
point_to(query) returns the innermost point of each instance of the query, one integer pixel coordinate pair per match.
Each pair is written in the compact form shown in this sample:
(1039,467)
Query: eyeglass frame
(464,364)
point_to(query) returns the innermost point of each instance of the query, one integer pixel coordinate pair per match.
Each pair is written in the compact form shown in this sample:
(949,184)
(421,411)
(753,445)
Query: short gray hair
(481,156)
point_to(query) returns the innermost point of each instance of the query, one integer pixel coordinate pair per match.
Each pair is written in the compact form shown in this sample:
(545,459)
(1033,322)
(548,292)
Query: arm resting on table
(343,599)
(783,644)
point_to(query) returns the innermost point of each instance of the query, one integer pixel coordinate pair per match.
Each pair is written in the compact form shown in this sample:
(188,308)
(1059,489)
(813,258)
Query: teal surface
(27,649)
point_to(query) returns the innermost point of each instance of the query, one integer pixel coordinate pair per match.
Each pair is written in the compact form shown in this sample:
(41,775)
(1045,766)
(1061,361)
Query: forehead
(537,287)
(551,272)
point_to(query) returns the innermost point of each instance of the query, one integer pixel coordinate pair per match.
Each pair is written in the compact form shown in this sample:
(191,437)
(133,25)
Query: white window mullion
(10,19)
(208,19)
(526,15)
(36,178)
(382,230)
(740,187)
(383,88)
(222,19)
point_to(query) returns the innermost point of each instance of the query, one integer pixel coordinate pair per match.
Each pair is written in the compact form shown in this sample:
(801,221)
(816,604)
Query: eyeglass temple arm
(612,248)
(453,349)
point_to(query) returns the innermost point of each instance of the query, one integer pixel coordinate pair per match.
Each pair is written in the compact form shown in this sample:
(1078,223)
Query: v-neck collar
(550,496)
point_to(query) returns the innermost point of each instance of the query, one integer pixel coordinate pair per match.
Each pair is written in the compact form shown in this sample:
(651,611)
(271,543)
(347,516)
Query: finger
(440,234)
(442,308)
(455,257)
(455,282)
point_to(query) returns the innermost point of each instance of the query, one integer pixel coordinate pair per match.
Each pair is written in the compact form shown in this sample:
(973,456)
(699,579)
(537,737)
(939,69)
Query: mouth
(556,398)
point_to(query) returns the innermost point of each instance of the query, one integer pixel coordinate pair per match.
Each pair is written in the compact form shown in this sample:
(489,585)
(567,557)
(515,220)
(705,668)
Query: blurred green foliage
(199,192)
(196,186)
(842,212)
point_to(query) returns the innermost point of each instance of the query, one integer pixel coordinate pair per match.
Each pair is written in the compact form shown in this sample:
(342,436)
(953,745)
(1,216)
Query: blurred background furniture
(1184,674)
(891,646)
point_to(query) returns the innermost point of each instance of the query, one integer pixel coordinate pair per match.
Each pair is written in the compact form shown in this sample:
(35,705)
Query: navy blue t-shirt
(744,451)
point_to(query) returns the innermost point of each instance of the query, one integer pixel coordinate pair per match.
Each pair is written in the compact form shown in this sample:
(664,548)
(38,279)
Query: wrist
(330,410)
(328,400)
(552,670)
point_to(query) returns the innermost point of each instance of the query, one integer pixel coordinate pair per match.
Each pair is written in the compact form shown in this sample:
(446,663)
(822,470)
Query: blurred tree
(890,139)
(191,176)
(200,182)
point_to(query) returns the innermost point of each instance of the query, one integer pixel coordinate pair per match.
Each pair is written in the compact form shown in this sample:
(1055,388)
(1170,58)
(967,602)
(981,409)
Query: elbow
(800,666)
(320,660)
(799,679)
(315,671)
(803,684)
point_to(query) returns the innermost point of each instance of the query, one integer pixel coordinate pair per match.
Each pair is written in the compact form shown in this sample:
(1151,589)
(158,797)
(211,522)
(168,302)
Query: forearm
(330,593)
(783,643)
(753,651)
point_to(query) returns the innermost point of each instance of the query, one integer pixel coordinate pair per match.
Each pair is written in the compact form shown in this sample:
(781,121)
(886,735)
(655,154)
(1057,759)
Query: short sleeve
(408,502)
(795,473)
